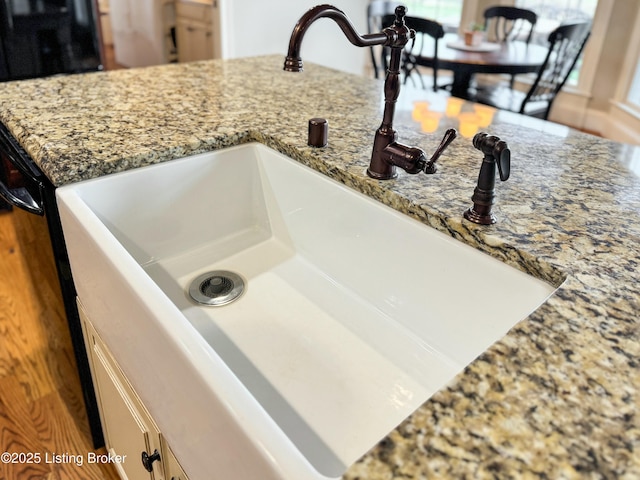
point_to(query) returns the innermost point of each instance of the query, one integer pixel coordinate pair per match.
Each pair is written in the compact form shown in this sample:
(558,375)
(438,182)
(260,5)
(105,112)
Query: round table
(513,57)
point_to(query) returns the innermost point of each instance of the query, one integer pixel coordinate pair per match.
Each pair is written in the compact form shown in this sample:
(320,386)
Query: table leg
(461,84)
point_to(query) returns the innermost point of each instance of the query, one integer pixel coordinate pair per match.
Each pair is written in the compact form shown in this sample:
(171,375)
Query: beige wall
(256,27)
(614,49)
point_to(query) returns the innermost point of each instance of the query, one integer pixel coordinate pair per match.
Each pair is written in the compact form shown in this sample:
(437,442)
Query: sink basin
(352,314)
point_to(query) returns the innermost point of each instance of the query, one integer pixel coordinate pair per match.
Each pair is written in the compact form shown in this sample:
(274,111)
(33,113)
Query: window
(553,13)
(446,12)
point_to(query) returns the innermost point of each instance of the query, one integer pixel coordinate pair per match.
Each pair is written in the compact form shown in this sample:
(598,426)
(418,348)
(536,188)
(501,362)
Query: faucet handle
(399,33)
(400,13)
(502,154)
(497,149)
(411,159)
(449,136)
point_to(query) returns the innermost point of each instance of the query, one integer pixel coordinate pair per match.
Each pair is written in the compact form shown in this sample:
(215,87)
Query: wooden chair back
(376,10)
(504,24)
(565,46)
(424,28)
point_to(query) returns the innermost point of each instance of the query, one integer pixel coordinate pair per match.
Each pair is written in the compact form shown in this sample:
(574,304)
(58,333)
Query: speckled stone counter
(558,396)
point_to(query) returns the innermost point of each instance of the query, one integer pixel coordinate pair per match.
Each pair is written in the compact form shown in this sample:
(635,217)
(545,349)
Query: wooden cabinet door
(128,428)
(129,431)
(195,40)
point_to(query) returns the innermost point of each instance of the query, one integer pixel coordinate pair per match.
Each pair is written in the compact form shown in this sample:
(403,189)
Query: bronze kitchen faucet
(387,152)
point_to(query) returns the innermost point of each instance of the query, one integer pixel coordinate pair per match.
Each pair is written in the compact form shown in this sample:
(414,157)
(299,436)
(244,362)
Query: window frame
(413,10)
(630,72)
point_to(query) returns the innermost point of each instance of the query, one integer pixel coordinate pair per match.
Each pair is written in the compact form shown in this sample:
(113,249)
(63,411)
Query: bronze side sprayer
(496,153)
(387,152)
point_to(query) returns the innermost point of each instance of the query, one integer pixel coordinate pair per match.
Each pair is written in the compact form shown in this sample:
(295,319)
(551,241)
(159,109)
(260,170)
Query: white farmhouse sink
(353,314)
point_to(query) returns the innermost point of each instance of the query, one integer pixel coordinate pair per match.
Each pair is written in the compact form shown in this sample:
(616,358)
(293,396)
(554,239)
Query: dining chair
(376,10)
(565,46)
(509,23)
(506,24)
(428,33)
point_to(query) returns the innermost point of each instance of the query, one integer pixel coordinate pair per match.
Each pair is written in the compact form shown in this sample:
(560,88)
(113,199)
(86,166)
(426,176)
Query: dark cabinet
(47,37)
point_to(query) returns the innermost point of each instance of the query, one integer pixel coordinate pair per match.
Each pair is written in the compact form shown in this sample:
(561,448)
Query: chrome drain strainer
(216,288)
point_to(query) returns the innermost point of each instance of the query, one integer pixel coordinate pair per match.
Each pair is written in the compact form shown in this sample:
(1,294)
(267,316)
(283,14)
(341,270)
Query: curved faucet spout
(293,62)
(387,153)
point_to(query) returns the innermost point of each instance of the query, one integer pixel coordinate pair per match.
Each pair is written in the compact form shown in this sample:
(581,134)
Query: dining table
(513,57)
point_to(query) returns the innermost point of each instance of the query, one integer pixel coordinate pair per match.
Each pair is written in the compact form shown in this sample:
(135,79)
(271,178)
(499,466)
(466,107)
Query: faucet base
(481,218)
(293,64)
(389,174)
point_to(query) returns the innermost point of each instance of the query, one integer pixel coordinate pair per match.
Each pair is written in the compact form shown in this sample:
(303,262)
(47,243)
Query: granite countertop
(557,397)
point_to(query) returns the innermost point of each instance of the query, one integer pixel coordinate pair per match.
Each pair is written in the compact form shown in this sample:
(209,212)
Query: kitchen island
(557,396)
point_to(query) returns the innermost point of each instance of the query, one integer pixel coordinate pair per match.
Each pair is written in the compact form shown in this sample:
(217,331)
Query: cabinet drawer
(199,11)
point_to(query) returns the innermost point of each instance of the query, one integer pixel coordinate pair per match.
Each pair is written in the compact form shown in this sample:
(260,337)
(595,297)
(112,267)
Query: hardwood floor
(41,407)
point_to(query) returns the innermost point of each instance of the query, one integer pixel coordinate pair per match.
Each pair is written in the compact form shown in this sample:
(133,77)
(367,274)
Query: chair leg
(409,68)
(409,74)
(373,62)
(406,79)
(424,87)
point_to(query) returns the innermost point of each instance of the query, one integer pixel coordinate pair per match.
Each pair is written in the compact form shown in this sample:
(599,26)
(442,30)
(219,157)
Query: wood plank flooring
(41,407)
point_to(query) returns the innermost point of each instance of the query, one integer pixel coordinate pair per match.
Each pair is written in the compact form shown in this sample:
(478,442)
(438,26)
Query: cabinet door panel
(128,432)
(195,40)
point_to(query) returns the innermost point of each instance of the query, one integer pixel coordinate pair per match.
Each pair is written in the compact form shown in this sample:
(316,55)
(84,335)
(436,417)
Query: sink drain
(216,288)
